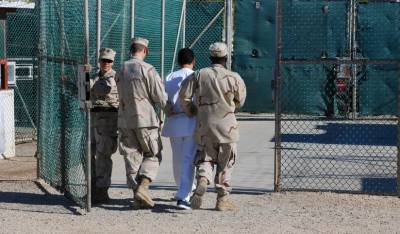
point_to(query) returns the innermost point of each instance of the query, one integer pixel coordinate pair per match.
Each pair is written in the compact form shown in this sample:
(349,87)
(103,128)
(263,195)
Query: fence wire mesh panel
(21,32)
(337,96)
(204,26)
(62,129)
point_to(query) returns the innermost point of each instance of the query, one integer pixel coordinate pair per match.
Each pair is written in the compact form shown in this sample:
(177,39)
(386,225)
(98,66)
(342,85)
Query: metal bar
(228,31)
(359,61)
(177,37)
(398,130)
(64,177)
(132,18)
(123,34)
(184,25)
(323,118)
(353,55)
(98,31)
(278,105)
(58,59)
(86,29)
(206,28)
(42,68)
(88,150)
(162,37)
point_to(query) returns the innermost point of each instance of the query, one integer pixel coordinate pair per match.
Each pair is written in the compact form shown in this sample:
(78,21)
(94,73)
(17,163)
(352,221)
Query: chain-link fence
(337,96)
(62,129)
(204,26)
(62,145)
(21,33)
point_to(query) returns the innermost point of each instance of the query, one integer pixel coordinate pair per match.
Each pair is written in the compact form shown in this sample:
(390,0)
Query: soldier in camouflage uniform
(104,97)
(217,93)
(140,89)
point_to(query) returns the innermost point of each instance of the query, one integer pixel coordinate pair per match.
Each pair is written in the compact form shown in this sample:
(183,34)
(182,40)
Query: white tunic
(179,124)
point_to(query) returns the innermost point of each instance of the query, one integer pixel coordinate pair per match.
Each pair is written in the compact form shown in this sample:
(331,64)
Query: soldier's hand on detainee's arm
(188,87)
(169,110)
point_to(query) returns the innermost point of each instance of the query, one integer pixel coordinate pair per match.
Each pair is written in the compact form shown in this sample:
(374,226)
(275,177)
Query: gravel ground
(25,208)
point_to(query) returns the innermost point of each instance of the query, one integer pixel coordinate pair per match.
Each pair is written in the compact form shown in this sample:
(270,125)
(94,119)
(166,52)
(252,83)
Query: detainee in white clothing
(180,129)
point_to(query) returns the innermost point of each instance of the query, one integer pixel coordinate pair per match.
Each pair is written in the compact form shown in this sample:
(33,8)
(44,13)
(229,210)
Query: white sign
(17,4)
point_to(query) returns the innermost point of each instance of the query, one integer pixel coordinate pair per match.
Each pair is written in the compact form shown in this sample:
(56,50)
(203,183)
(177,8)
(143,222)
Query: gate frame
(277,82)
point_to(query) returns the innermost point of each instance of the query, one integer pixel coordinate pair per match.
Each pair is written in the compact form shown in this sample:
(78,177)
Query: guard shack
(7,79)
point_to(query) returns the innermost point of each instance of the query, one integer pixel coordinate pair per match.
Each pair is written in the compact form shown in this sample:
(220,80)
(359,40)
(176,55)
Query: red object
(341,85)
(4,74)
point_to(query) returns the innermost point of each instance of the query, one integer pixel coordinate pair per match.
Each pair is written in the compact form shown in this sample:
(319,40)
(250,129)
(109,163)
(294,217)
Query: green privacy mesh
(254,51)
(62,130)
(20,47)
(204,26)
(339,122)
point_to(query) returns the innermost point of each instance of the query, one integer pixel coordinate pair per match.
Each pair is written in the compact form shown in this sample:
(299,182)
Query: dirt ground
(26,207)
(21,167)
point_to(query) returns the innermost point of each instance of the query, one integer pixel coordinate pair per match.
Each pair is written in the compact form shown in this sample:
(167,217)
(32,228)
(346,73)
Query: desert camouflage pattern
(140,89)
(103,91)
(103,127)
(217,93)
(141,149)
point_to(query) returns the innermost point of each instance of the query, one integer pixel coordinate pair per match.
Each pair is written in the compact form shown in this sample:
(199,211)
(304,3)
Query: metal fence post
(98,30)
(132,18)
(162,37)
(184,25)
(277,100)
(88,150)
(228,31)
(398,130)
(62,100)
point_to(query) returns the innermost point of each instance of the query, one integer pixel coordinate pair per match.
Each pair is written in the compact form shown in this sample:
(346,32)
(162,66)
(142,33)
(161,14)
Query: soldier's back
(215,99)
(136,106)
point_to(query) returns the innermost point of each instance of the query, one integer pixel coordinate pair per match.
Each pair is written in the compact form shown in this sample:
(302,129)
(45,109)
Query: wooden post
(4,74)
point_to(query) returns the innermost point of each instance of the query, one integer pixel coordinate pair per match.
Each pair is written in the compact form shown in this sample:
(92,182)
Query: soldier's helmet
(218,49)
(107,53)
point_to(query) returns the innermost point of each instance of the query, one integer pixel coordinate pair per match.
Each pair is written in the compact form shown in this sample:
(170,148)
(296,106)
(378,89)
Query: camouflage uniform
(217,92)
(104,97)
(140,88)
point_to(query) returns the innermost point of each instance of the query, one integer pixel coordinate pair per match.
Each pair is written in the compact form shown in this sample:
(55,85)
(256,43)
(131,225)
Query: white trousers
(183,154)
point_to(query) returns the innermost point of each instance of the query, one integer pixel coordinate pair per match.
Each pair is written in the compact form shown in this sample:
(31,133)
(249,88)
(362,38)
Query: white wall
(7,125)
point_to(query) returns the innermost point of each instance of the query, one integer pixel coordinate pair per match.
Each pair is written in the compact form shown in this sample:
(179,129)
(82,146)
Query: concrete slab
(254,170)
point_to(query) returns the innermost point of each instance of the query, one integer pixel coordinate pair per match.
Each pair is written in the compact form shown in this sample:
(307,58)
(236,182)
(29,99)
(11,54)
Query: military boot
(100,196)
(224,203)
(142,195)
(197,198)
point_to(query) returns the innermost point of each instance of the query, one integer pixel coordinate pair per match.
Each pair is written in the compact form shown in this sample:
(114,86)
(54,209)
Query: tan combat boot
(224,203)
(100,196)
(197,198)
(142,195)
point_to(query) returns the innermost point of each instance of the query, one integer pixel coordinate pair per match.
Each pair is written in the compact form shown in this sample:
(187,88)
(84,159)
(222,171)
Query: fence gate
(62,125)
(71,33)
(336,95)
